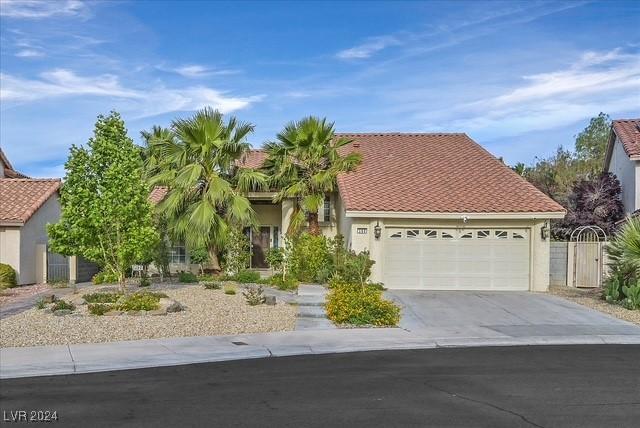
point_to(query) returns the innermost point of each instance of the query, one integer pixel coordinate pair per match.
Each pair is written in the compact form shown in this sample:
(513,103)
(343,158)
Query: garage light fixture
(544,231)
(377,230)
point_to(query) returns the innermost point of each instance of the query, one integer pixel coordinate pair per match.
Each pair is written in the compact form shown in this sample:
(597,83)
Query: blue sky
(518,77)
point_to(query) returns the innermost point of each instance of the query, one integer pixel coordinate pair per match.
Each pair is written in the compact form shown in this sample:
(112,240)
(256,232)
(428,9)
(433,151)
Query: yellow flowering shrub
(360,305)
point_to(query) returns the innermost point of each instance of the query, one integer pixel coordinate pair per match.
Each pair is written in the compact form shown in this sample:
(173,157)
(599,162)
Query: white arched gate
(588,254)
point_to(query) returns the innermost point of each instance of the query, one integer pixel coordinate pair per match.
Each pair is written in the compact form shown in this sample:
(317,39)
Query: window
(517,236)
(177,254)
(501,234)
(431,234)
(326,213)
(467,235)
(275,236)
(484,234)
(396,235)
(413,233)
(446,235)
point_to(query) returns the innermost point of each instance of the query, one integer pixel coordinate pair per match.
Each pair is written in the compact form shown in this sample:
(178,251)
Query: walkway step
(311,290)
(314,324)
(309,301)
(311,312)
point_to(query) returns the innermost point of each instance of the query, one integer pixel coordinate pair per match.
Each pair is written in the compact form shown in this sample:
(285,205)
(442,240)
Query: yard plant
(358,304)
(7,276)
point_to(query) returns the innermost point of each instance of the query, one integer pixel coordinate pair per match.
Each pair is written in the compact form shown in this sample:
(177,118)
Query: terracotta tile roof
(20,198)
(628,132)
(157,194)
(9,172)
(254,158)
(435,173)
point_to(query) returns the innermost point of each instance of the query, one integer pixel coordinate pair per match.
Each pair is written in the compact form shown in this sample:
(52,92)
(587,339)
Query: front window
(177,254)
(327,209)
(275,236)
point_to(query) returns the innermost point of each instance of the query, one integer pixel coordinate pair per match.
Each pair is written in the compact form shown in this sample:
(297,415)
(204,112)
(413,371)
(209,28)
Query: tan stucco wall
(539,251)
(10,247)
(268,215)
(628,172)
(35,232)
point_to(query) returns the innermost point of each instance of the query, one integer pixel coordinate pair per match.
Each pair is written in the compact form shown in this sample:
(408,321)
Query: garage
(456,259)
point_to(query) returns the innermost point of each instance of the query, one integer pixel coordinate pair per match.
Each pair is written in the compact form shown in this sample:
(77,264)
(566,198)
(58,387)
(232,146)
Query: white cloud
(141,102)
(365,50)
(29,53)
(39,9)
(196,71)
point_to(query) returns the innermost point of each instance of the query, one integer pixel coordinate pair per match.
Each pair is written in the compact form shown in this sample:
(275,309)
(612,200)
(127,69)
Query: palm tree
(624,250)
(199,159)
(304,164)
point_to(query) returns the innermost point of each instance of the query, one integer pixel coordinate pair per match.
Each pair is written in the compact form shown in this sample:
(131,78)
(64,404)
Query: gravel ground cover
(208,313)
(590,297)
(10,295)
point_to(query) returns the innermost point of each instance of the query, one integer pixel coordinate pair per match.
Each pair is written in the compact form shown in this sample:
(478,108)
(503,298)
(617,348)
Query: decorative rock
(49,298)
(134,313)
(157,312)
(112,313)
(270,300)
(62,312)
(175,307)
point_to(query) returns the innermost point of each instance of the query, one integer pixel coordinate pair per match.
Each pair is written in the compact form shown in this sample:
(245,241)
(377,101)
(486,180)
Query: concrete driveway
(500,314)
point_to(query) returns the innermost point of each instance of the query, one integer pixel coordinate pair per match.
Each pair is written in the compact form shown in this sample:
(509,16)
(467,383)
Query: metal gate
(57,267)
(588,246)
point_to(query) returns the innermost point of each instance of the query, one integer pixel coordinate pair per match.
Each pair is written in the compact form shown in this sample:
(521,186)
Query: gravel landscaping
(208,313)
(590,297)
(10,295)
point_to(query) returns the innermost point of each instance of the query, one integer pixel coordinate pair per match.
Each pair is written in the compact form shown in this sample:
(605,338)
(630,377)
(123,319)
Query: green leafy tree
(237,252)
(106,217)
(591,145)
(199,256)
(199,160)
(304,164)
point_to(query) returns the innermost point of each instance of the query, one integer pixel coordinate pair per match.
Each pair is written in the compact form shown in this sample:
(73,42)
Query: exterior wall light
(544,231)
(377,230)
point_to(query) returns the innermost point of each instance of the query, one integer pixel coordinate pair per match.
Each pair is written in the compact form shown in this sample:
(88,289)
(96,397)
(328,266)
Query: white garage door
(451,259)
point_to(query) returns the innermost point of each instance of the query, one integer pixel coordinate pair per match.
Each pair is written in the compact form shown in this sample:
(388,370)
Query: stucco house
(623,160)
(436,211)
(26,206)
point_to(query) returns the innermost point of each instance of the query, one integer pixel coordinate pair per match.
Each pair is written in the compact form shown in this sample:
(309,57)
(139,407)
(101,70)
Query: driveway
(494,314)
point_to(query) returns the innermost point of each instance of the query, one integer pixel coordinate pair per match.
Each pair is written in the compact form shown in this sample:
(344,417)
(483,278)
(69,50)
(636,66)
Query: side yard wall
(558,263)
(10,248)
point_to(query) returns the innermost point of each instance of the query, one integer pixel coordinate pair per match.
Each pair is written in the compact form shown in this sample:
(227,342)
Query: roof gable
(627,132)
(21,197)
(435,173)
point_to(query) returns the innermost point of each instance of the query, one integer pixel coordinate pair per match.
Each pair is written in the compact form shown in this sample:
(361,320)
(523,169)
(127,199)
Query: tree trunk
(213,259)
(314,225)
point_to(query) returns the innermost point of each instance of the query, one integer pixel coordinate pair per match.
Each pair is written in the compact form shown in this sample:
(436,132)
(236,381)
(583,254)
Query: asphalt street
(543,386)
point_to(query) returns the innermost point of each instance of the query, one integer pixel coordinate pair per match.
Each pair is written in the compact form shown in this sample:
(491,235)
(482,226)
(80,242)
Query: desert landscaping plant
(99,308)
(212,285)
(357,304)
(60,305)
(106,216)
(247,277)
(309,256)
(624,254)
(187,277)
(229,289)
(237,252)
(199,256)
(7,276)
(632,296)
(254,294)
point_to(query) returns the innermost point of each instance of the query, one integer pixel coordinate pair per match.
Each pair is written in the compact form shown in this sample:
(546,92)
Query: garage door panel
(487,259)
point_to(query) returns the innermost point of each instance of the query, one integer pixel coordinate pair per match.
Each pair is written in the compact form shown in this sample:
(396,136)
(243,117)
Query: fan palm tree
(199,160)
(624,249)
(304,164)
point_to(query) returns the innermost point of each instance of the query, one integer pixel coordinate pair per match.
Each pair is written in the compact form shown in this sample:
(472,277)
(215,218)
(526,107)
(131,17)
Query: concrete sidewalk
(87,358)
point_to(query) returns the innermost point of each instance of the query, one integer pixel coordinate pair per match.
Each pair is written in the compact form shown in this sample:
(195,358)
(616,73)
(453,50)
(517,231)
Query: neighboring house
(26,206)
(623,160)
(435,211)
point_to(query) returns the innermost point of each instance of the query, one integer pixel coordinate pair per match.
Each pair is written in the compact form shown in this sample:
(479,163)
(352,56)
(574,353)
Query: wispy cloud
(195,71)
(368,48)
(142,102)
(39,9)
(29,53)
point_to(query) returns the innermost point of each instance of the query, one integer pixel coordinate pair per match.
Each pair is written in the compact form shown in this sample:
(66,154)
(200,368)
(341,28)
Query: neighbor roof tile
(628,132)
(20,198)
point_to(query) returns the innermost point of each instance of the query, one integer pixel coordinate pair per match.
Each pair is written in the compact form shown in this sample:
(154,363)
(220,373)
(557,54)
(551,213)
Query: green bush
(98,308)
(199,256)
(360,305)
(187,277)
(229,289)
(237,252)
(41,304)
(103,277)
(139,302)
(275,259)
(309,256)
(212,285)
(7,276)
(288,283)
(247,276)
(145,281)
(101,297)
(632,293)
(59,305)
(254,295)
(354,268)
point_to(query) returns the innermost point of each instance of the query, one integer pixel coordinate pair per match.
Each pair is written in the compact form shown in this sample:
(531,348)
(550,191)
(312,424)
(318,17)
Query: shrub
(275,259)
(237,252)
(59,305)
(355,268)
(7,276)
(139,302)
(632,293)
(229,289)
(98,308)
(41,304)
(624,252)
(360,305)
(187,277)
(247,276)
(199,256)
(288,283)
(144,280)
(212,285)
(254,295)
(101,297)
(103,277)
(309,255)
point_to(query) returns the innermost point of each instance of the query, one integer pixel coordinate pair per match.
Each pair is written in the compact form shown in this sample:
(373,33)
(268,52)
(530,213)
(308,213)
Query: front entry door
(259,246)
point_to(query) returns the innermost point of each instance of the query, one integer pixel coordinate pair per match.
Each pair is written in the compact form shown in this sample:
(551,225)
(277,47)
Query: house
(623,160)
(436,211)
(26,206)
